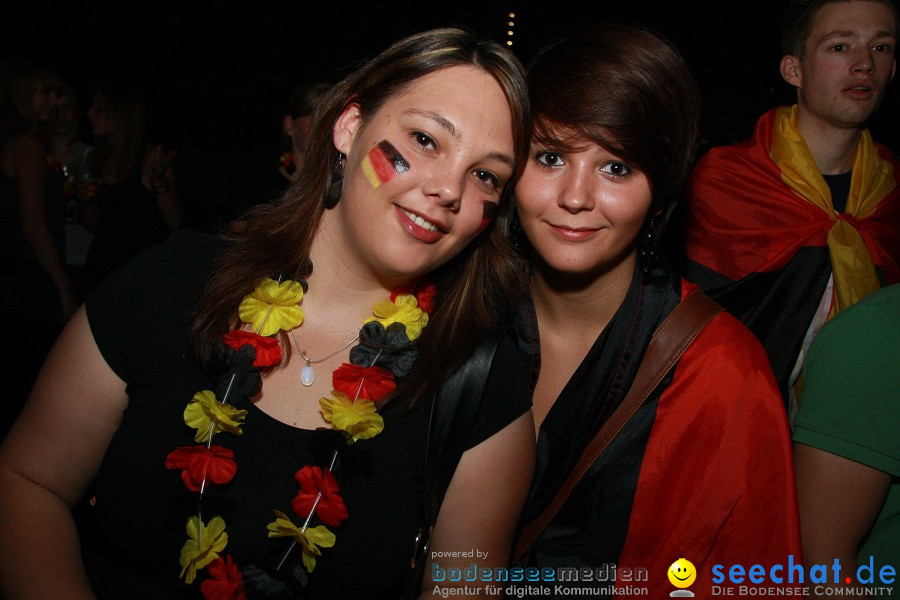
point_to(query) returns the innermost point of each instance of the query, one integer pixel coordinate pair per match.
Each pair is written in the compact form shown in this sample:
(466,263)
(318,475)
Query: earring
(516,234)
(336,186)
(648,242)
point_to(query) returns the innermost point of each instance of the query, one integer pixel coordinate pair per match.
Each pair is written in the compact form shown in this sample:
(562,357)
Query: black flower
(235,377)
(388,348)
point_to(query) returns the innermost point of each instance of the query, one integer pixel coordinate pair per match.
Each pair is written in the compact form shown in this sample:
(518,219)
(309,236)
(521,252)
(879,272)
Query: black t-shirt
(139,319)
(840,189)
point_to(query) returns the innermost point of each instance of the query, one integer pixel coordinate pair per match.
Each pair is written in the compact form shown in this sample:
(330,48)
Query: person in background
(296,126)
(134,204)
(38,294)
(68,156)
(706,458)
(846,442)
(33,236)
(803,220)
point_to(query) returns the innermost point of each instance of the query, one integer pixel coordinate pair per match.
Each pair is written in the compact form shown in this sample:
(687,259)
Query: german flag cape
(762,237)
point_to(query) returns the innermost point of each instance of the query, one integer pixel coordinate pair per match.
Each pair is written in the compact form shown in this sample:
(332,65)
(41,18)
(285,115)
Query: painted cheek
(490,211)
(383,163)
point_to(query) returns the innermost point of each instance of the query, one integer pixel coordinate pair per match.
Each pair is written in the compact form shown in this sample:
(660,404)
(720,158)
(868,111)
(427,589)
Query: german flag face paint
(490,211)
(382,163)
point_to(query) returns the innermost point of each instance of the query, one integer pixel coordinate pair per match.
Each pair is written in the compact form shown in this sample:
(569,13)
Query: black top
(139,319)
(839,185)
(590,528)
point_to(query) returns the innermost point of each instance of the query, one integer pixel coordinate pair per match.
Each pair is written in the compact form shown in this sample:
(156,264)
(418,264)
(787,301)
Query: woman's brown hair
(124,144)
(627,89)
(473,288)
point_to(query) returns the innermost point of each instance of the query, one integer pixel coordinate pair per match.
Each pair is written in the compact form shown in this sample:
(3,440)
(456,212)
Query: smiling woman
(705,458)
(407,158)
(420,177)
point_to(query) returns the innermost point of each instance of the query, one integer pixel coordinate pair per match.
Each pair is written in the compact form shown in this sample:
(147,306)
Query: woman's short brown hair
(627,89)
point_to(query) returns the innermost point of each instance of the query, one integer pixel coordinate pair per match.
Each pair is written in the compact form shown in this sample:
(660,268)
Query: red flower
(225,581)
(268,352)
(371,383)
(198,462)
(424,291)
(313,480)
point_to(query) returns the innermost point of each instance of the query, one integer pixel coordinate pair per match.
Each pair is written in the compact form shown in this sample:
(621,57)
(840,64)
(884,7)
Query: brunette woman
(310,481)
(703,469)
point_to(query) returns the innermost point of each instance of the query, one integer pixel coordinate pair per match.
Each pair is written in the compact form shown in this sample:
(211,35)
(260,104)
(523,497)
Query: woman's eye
(424,140)
(487,178)
(550,159)
(838,47)
(616,169)
(883,48)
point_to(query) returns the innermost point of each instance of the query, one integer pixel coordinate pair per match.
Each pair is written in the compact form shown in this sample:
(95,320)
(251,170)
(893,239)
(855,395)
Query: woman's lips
(573,234)
(419,227)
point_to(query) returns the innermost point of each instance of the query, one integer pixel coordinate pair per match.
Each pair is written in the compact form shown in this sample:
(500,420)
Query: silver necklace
(308,374)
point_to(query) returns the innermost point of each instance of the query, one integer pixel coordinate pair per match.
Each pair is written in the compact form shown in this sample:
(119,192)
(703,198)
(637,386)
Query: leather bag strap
(668,343)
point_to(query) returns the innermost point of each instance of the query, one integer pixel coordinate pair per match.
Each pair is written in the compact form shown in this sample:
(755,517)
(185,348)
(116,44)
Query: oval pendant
(307,375)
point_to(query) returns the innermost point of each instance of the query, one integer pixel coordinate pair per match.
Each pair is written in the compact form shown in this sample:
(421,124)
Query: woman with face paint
(705,461)
(287,434)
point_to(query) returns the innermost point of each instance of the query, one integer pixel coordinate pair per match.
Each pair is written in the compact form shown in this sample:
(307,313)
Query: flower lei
(383,354)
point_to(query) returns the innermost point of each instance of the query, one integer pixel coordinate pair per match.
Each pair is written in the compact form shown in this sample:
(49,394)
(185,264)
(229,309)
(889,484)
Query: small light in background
(511,24)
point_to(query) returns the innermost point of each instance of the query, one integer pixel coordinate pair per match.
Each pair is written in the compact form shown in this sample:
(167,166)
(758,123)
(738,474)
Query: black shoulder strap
(454,407)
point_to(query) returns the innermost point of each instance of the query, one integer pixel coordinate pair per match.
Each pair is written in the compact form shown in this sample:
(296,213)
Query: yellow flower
(310,540)
(272,306)
(404,309)
(203,545)
(204,410)
(359,419)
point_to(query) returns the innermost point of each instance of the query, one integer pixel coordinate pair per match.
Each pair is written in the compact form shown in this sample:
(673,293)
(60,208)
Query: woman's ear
(346,127)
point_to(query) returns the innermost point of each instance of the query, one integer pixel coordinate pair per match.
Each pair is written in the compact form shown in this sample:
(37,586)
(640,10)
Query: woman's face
(64,116)
(424,173)
(44,101)
(98,115)
(582,210)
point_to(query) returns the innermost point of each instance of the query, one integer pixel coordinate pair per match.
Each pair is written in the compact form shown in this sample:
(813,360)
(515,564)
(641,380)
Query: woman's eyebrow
(438,118)
(504,158)
(446,124)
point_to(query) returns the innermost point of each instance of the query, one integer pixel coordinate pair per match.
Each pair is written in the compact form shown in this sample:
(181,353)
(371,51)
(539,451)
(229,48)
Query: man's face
(847,65)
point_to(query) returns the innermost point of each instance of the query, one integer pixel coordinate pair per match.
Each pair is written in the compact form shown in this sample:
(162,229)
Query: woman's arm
(482,506)
(29,163)
(46,463)
(839,501)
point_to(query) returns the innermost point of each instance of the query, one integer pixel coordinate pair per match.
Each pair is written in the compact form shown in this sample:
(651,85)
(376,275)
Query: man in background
(803,220)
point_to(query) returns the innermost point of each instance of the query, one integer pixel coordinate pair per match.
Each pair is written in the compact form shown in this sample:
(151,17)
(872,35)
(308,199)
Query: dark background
(217,76)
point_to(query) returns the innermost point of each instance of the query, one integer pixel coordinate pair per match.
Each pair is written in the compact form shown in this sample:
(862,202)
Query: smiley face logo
(682,573)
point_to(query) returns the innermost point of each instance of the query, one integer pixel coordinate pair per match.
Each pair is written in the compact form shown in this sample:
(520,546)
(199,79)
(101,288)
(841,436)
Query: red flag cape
(744,219)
